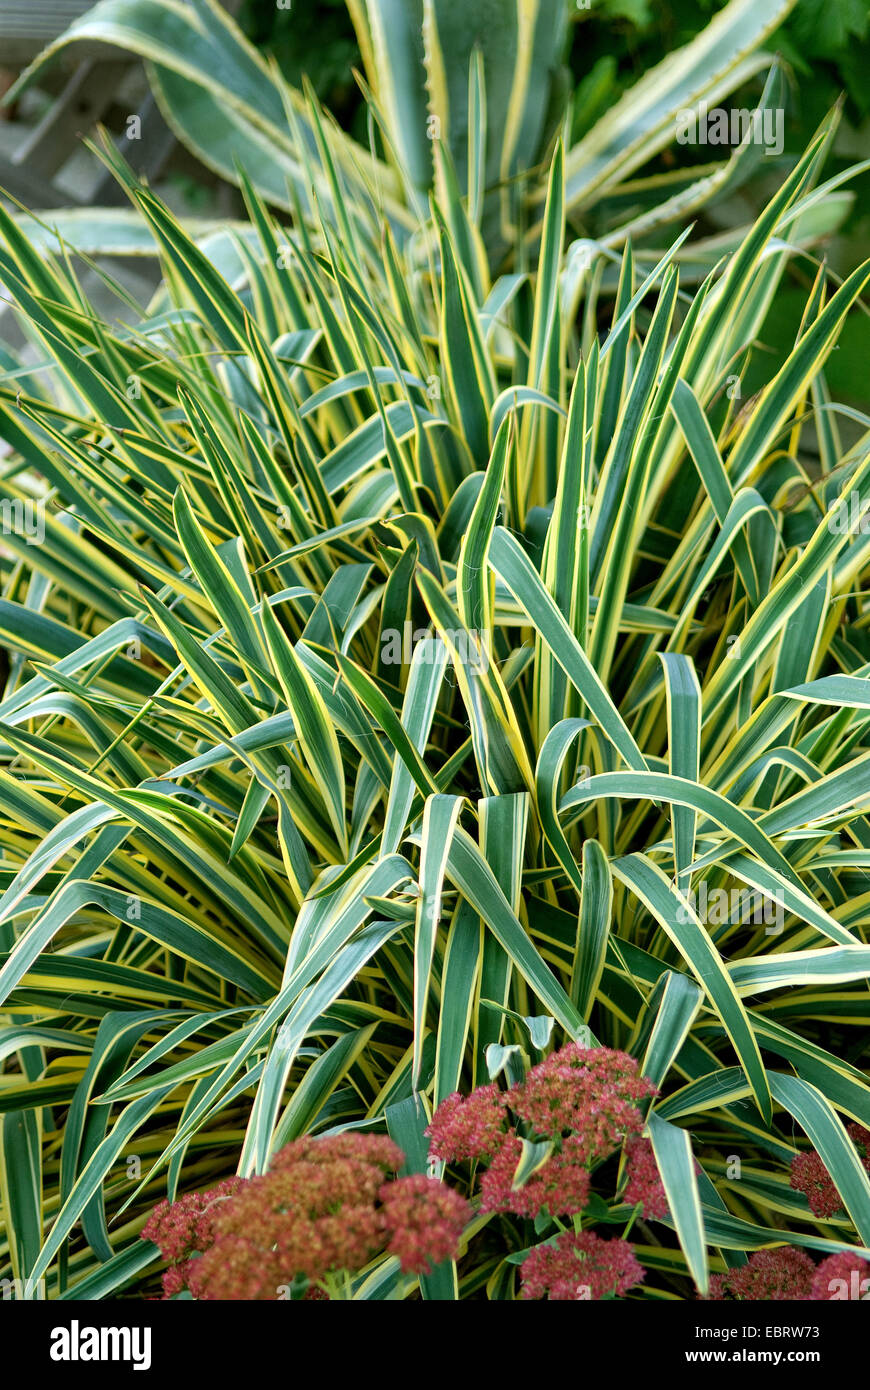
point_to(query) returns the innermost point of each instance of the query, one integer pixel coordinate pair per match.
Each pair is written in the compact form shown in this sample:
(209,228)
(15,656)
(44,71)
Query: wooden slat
(26,28)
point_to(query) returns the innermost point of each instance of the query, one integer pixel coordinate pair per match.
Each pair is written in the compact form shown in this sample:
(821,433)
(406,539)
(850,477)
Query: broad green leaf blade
(685,930)
(593,928)
(406,1123)
(676,1164)
(820,1122)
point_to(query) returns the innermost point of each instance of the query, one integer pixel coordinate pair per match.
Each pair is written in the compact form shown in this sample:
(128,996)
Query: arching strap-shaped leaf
(197,1067)
(676,1164)
(462,961)
(303,1013)
(710,1092)
(85,1125)
(513,398)
(565,562)
(626,478)
(503,825)
(821,1123)
(790,382)
(664,787)
(747,503)
(21,1189)
(465,361)
(406,1123)
(642,121)
(731,1233)
(510,561)
(846,692)
(372,698)
(108,1278)
(440,815)
(838,1082)
(708,461)
(791,589)
(337,931)
(499,747)
(681,924)
(314,728)
(673,1005)
(684,745)
(593,927)
(781,891)
(93,1175)
(253,806)
(125,1087)
(428,665)
(786,969)
(55,841)
(183,938)
(829,796)
(474,878)
(319,1082)
(220,589)
(472,576)
(548,775)
(541,433)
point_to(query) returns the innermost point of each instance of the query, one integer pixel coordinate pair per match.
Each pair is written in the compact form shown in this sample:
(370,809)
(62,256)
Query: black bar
(247,1340)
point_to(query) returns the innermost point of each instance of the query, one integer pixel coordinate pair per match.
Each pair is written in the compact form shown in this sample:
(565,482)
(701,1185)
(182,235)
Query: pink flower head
(175,1279)
(841,1276)
(471,1127)
(374,1150)
(810,1176)
(184,1228)
(644,1185)
(236,1268)
(592,1092)
(314,1212)
(860,1137)
(580,1267)
(424,1220)
(782,1274)
(560,1186)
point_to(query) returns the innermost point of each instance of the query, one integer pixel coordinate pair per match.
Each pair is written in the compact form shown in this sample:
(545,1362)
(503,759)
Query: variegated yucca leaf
(466,98)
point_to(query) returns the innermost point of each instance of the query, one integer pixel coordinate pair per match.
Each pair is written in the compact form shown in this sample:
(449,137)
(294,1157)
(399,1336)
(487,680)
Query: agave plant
(392,670)
(482,82)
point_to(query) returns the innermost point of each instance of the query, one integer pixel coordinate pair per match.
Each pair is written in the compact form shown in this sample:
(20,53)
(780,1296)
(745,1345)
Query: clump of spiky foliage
(268,872)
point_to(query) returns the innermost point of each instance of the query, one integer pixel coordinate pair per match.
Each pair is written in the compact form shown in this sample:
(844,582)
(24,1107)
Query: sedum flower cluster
(324,1210)
(581,1266)
(587,1103)
(810,1176)
(788,1274)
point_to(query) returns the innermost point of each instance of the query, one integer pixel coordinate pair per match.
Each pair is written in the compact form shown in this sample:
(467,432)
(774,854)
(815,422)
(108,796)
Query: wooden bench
(29,26)
(90,84)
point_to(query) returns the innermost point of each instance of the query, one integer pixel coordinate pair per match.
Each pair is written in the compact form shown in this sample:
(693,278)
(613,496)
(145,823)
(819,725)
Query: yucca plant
(485,81)
(391,673)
